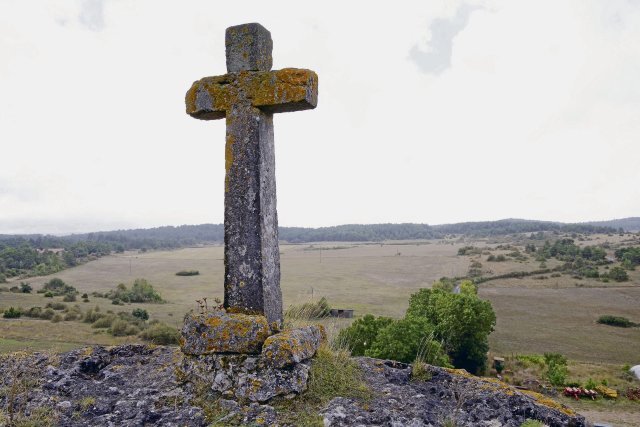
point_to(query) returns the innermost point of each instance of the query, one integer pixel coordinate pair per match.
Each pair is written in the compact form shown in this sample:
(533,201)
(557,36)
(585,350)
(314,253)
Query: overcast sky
(429,111)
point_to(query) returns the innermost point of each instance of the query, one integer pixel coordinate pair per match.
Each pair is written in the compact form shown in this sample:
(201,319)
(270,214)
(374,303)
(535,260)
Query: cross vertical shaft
(251,255)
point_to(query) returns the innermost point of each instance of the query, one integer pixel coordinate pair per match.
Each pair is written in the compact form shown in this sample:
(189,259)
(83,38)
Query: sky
(428,112)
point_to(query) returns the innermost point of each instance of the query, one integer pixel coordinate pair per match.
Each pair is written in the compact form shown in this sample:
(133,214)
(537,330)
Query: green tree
(618,274)
(404,339)
(362,333)
(462,322)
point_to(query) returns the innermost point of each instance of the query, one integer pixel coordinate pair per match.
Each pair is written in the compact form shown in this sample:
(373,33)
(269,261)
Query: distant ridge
(189,235)
(628,224)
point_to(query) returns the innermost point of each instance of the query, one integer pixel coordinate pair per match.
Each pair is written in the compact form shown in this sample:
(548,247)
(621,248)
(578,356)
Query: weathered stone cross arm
(289,89)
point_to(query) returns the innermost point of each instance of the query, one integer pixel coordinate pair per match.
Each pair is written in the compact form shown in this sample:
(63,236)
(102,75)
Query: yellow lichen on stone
(548,402)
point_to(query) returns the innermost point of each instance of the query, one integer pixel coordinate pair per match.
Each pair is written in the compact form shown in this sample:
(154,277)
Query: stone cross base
(241,357)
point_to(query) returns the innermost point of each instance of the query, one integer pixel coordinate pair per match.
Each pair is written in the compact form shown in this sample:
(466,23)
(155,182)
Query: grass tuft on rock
(333,373)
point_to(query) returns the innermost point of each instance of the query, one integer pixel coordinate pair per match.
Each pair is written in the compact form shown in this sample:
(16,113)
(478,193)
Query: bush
(92,315)
(462,323)
(188,273)
(619,321)
(404,340)
(12,313)
(56,318)
(362,333)
(47,314)
(56,305)
(122,328)
(58,287)
(69,298)
(48,294)
(3,278)
(556,368)
(25,288)
(161,333)
(141,291)
(618,274)
(140,314)
(103,322)
(34,312)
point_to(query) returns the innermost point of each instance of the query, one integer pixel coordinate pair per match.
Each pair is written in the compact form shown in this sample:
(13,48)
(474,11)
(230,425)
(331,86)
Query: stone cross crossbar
(248,96)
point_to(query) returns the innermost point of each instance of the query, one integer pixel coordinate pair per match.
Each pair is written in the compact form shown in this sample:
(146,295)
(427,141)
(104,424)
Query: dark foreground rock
(444,396)
(138,385)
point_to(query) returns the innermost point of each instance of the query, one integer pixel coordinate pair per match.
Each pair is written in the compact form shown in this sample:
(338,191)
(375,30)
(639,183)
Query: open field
(533,315)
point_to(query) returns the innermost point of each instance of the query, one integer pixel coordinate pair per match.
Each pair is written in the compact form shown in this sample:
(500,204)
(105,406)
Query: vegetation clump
(57,287)
(441,326)
(309,310)
(188,273)
(161,334)
(619,321)
(141,291)
(12,313)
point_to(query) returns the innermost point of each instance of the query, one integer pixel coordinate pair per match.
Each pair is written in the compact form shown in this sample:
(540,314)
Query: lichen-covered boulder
(221,332)
(242,376)
(293,346)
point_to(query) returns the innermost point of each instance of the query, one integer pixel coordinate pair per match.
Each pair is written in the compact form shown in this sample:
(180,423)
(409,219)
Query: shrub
(72,315)
(69,298)
(103,322)
(161,333)
(618,274)
(56,318)
(141,291)
(12,313)
(619,321)
(188,273)
(362,333)
(462,323)
(47,314)
(532,423)
(122,328)
(25,288)
(56,305)
(92,315)
(405,339)
(34,312)
(140,314)
(556,368)
(48,294)
(58,287)
(116,301)
(557,374)
(3,278)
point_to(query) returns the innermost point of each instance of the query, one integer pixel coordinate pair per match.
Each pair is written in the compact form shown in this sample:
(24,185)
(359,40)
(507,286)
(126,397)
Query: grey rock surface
(138,385)
(240,376)
(292,346)
(220,332)
(448,395)
(248,48)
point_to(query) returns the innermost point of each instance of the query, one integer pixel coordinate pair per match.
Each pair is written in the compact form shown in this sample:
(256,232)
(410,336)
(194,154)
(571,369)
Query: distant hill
(627,224)
(188,235)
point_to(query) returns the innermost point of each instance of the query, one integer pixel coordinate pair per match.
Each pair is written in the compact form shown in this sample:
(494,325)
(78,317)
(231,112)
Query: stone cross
(248,96)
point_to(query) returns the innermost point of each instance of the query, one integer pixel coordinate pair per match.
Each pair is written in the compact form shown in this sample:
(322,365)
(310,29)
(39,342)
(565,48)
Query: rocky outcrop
(138,385)
(240,376)
(441,396)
